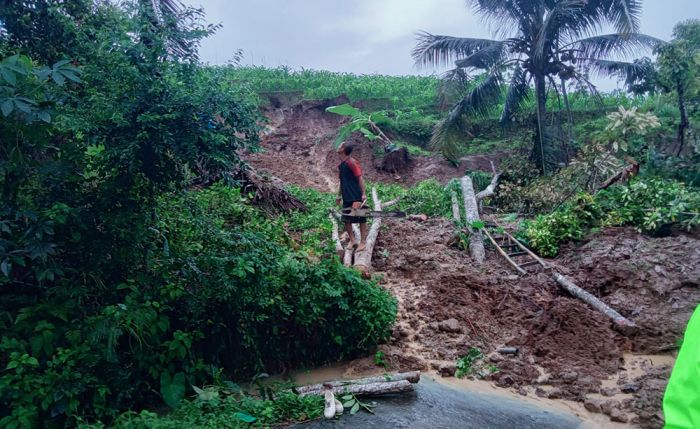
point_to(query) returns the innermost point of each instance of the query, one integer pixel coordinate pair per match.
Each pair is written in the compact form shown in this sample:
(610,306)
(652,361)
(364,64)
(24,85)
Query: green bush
(651,205)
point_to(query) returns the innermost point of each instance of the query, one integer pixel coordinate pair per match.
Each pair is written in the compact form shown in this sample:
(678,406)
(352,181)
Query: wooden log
(455,206)
(594,302)
(411,377)
(491,188)
(380,388)
(336,236)
(391,203)
(471,211)
(504,254)
(363,259)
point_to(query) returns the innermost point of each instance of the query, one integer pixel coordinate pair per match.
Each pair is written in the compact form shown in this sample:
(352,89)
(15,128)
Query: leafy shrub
(651,205)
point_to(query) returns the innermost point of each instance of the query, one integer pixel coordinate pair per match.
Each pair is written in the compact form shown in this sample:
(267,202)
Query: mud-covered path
(447,305)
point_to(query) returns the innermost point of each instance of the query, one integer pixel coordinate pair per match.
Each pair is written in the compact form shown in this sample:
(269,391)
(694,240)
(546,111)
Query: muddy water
(454,403)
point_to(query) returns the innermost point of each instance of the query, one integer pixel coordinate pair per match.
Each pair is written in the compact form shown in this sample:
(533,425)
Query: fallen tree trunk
(471,211)
(594,302)
(411,377)
(380,388)
(363,259)
(455,207)
(623,175)
(336,236)
(491,188)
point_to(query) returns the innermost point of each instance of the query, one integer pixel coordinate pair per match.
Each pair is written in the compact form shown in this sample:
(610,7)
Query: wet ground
(449,306)
(434,406)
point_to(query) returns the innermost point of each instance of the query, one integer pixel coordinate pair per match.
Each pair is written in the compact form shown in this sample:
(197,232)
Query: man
(352,193)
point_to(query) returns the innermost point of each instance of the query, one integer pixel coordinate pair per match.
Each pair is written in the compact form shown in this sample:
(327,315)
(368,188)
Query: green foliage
(650,205)
(122,288)
(428,197)
(399,92)
(465,363)
(353,403)
(216,407)
(570,222)
(379,359)
(366,123)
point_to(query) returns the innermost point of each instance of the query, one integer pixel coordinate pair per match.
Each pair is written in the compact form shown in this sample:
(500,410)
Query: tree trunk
(363,259)
(455,207)
(471,211)
(541,95)
(684,118)
(380,388)
(570,117)
(594,302)
(336,237)
(411,377)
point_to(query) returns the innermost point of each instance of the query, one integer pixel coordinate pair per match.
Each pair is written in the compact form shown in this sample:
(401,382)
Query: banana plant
(366,123)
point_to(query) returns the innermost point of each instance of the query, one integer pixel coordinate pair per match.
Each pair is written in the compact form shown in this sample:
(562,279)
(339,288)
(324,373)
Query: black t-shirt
(349,173)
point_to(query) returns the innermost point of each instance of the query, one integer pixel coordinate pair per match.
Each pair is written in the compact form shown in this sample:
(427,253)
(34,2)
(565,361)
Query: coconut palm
(545,39)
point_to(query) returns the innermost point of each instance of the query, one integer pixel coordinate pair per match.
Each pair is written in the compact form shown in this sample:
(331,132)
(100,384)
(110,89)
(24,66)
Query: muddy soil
(298,148)
(447,305)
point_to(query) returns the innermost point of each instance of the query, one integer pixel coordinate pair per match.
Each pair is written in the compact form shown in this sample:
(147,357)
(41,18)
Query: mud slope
(447,305)
(567,350)
(298,148)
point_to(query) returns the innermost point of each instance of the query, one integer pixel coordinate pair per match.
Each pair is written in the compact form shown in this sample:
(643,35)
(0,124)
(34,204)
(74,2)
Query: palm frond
(503,13)
(480,101)
(625,45)
(518,93)
(441,50)
(633,73)
(484,58)
(453,86)
(564,12)
(624,15)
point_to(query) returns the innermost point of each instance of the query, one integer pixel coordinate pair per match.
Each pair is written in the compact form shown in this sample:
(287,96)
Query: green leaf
(58,78)
(172,389)
(244,417)
(344,110)
(45,116)
(346,397)
(7,107)
(355,408)
(379,118)
(5,267)
(60,64)
(8,75)
(348,404)
(21,105)
(368,134)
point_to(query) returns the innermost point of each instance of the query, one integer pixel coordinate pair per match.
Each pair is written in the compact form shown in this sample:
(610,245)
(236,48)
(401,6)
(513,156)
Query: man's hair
(347,149)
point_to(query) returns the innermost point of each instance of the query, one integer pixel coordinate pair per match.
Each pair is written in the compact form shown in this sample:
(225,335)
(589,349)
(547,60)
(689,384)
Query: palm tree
(548,39)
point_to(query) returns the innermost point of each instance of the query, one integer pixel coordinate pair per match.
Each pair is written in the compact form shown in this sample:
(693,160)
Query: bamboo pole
(594,302)
(525,249)
(504,254)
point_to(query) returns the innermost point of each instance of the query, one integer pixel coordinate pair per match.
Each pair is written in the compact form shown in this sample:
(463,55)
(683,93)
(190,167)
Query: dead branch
(591,300)
(489,191)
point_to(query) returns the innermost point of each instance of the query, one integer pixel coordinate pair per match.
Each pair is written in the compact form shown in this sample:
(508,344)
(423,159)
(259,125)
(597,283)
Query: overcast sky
(364,36)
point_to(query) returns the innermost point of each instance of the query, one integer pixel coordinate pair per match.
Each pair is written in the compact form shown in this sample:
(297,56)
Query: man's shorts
(351,219)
